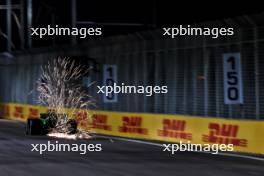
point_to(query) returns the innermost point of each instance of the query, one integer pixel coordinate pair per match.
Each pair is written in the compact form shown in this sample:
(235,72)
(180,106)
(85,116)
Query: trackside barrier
(246,135)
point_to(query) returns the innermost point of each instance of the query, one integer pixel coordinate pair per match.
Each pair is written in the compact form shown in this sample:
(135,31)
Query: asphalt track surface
(118,158)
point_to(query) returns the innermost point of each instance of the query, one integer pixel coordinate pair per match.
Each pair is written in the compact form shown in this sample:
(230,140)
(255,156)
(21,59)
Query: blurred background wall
(191,67)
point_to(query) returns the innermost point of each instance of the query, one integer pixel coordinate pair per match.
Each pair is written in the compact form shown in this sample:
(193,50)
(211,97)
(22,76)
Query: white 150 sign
(233,88)
(109,78)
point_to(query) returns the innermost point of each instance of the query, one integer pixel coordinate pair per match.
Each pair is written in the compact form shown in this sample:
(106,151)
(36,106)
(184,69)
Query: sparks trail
(60,90)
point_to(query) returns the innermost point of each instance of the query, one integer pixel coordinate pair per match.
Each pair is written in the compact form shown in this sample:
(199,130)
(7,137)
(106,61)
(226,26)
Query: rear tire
(72,126)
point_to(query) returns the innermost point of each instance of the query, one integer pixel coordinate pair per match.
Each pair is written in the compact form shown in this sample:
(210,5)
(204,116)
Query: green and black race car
(47,122)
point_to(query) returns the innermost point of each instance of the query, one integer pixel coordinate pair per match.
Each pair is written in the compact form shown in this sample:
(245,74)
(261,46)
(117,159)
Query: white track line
(160,145)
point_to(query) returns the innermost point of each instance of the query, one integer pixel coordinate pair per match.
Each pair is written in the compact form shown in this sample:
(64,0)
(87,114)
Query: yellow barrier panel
(245,135)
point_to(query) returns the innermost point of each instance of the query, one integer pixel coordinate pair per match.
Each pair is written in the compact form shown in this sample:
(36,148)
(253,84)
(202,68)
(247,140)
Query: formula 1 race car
(46,123)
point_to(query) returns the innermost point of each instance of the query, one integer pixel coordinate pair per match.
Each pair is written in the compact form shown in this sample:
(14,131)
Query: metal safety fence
(191,67)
